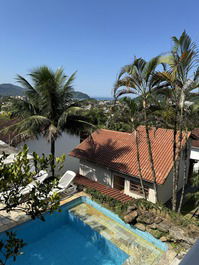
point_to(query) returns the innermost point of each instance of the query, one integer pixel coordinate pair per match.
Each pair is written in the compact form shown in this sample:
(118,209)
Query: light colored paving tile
(123,238)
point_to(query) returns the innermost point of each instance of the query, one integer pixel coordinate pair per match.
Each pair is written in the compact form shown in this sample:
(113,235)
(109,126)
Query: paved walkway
(113,193)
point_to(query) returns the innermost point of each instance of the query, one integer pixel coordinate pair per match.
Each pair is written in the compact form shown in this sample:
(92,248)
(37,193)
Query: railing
(136,187)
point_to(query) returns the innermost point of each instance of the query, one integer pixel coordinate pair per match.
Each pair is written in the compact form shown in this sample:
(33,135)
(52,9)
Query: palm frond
(24,83)
(150,67)
(127,69)
(68,85)
(52,132)
(20,108)
(36,124)
(71,111)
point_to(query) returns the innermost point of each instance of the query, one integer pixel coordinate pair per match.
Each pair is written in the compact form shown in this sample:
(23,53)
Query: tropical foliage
(163,95)
(139,78)
(14,178)
(47,108)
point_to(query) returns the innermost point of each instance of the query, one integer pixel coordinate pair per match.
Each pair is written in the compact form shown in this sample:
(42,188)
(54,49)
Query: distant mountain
(11,90)
(80,95)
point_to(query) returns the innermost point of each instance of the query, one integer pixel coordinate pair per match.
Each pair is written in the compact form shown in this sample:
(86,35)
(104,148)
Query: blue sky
(94,37)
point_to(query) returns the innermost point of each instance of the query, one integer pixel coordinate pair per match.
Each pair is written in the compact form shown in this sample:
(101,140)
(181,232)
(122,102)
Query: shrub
(141,204)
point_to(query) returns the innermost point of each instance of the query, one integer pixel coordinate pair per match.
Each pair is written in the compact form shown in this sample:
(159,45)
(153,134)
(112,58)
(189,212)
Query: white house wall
(165,190)
(151,194)
(194,153)
(95,173)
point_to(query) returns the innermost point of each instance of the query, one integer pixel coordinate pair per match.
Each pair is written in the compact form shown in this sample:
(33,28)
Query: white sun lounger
(65,185)
(40,178)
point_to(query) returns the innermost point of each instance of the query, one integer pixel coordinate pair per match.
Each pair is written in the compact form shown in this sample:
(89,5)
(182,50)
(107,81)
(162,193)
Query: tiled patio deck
(113,193)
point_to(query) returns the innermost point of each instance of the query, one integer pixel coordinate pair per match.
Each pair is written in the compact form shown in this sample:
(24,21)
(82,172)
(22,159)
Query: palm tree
(139,79)
(47,107)
(182,62)
(132,112)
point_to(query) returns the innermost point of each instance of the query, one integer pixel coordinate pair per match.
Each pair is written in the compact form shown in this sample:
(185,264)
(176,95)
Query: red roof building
(107,156)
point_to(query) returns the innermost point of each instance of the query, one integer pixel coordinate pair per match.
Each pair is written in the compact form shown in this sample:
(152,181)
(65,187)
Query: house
(110,157)
(194,156)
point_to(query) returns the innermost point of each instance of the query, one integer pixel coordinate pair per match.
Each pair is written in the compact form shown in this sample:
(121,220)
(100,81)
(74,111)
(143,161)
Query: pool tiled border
(144,235)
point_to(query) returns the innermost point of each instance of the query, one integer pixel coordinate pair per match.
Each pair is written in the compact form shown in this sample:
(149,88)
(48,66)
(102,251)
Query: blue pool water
(63,239)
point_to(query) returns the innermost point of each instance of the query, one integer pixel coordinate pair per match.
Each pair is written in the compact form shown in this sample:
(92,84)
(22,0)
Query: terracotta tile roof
(195,137)
(117,151)
(113,193)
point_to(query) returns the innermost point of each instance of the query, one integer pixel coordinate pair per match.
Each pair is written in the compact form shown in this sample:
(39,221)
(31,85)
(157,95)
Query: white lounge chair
(40,178)
(65,185)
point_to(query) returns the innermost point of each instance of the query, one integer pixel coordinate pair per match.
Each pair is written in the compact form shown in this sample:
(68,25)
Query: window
(136,187)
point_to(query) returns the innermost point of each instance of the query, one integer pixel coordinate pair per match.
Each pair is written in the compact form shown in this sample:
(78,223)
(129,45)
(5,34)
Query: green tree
(132,112)
(14,178)
(182,77)
(47,108)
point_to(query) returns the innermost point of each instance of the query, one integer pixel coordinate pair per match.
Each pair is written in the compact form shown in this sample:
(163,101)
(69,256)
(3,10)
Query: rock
(146,218)
(163,227)
(193,231)
(152,226)
(129,218)
(179,234)
(163,238)
(157,220)
(140,226)
(185,245)
(131,208)
(148,229)
(156,233)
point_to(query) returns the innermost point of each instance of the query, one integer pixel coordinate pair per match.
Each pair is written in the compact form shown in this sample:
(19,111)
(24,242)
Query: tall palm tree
(183,77)
(139,79)
(132,112)
(47,107)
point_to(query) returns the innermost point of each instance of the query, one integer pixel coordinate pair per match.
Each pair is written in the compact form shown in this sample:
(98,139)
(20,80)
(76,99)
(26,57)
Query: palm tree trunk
(184,178)
(174,190)
(53,157)
(150,150)
(139,166)
(178,146)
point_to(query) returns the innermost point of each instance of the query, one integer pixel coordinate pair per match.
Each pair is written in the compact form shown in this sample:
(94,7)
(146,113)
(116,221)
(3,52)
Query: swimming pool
(65,239)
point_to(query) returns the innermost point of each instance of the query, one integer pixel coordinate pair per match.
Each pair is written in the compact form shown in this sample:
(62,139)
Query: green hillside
(11,90)
(80,95)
